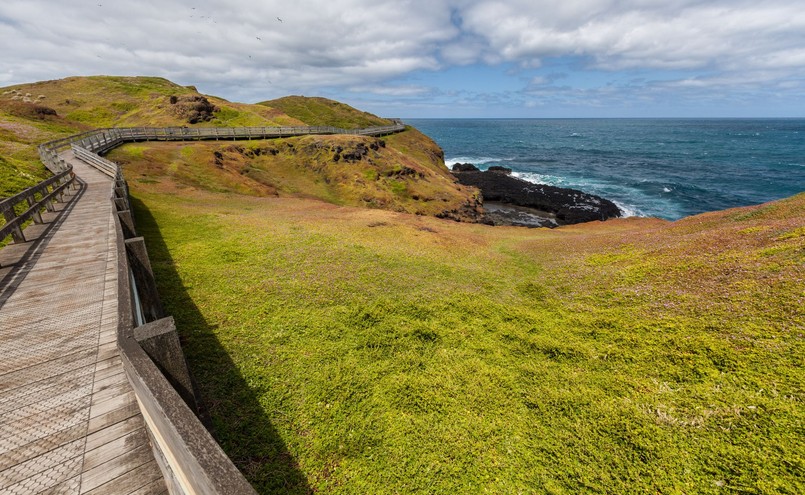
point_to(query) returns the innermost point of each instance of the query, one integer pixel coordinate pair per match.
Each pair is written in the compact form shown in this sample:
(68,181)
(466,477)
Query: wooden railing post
(37,217)
(16,232)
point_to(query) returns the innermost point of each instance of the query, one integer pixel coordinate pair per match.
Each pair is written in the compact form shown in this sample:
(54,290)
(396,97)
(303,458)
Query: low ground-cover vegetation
(324,112)
(401,172)
(344,350)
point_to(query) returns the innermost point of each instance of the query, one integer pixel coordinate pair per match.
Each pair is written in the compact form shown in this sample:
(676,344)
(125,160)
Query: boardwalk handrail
(101,141)
(190,459)
(49,190)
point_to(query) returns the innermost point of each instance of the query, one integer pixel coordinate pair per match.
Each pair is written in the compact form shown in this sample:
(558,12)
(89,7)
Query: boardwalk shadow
(229,407)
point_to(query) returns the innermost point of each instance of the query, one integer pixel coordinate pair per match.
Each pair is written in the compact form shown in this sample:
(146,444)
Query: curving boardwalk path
(69,421)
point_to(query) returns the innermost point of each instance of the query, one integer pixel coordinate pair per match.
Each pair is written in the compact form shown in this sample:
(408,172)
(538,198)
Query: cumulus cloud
(295,45)
(640,33)
(252,50)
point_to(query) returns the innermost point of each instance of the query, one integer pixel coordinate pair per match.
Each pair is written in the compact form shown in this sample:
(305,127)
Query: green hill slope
(37,112)
(321,111)
(406,173)
(401,172)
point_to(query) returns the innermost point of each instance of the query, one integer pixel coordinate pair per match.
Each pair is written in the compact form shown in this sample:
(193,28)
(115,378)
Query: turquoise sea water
(667,168)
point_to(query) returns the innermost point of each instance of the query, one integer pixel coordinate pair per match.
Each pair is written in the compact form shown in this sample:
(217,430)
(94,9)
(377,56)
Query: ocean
(668,168)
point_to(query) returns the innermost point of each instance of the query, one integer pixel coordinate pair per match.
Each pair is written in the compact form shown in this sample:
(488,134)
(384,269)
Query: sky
(434,58)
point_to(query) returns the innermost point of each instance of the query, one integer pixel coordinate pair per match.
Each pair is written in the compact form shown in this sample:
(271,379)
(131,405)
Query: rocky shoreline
(512,201)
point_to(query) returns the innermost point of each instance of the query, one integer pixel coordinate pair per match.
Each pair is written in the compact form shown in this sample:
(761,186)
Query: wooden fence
(101,141)
(32,201)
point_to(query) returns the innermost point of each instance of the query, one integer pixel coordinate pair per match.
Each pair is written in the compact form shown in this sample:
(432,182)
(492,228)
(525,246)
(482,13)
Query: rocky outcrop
(564,206)
(193,108)
(465,167)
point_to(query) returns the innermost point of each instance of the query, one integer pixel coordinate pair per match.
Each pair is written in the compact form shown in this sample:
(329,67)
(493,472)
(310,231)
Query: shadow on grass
(229,407)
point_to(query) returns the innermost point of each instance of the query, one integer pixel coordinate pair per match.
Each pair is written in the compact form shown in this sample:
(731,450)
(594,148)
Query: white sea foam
(475,160)
(629,210)
(626,209)
(549,180)
(666,189)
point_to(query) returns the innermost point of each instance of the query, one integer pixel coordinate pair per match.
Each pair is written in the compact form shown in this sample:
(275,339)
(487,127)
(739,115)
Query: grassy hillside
(106,101)
(321,111)
(33,113)
(345,350)
(406,173)
(403,172)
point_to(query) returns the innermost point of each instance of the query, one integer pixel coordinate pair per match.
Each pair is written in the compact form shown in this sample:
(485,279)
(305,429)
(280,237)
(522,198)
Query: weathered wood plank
(40,463)
(156,487)
(110,450)
(113,432)
(130,481)
(115,416)
(100,408)
(41,446)
(120,462)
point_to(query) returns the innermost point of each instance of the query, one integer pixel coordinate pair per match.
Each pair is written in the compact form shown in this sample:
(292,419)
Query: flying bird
(279,19)
(259,38)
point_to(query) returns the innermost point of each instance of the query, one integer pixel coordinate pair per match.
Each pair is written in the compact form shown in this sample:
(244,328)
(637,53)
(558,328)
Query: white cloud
(301,44)
(256,49)
(388,90)
(641,34)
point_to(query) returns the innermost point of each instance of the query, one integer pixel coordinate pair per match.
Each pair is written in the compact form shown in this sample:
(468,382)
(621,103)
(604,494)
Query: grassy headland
(323,112)
(401,172)
(353,350)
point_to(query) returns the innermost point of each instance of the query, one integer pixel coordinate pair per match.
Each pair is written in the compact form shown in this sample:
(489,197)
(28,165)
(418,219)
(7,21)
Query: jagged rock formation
(193,108)
(563,206)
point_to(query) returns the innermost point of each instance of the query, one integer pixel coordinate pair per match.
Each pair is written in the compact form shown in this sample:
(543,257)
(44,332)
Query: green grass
(323,112)
(357,351)
(386,177)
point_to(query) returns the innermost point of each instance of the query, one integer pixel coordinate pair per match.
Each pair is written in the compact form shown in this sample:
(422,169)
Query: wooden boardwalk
(69,421)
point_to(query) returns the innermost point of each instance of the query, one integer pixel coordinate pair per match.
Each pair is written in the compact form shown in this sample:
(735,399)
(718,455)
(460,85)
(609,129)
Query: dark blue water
(649,167)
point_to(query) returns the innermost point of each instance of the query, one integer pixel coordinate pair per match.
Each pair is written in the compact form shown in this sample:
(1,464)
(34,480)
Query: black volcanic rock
(465,167)
(568,205)
(499,169)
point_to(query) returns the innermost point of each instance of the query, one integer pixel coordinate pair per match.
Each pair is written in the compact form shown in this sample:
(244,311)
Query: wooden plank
(64,363)
(114,416)
(115,448)
(108,379)
(52,418)
(112,391)
(113,432)
(129,482)
(102,407)
(47,479)
(41,446)
(35,465)
(126,460)
(156,487)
